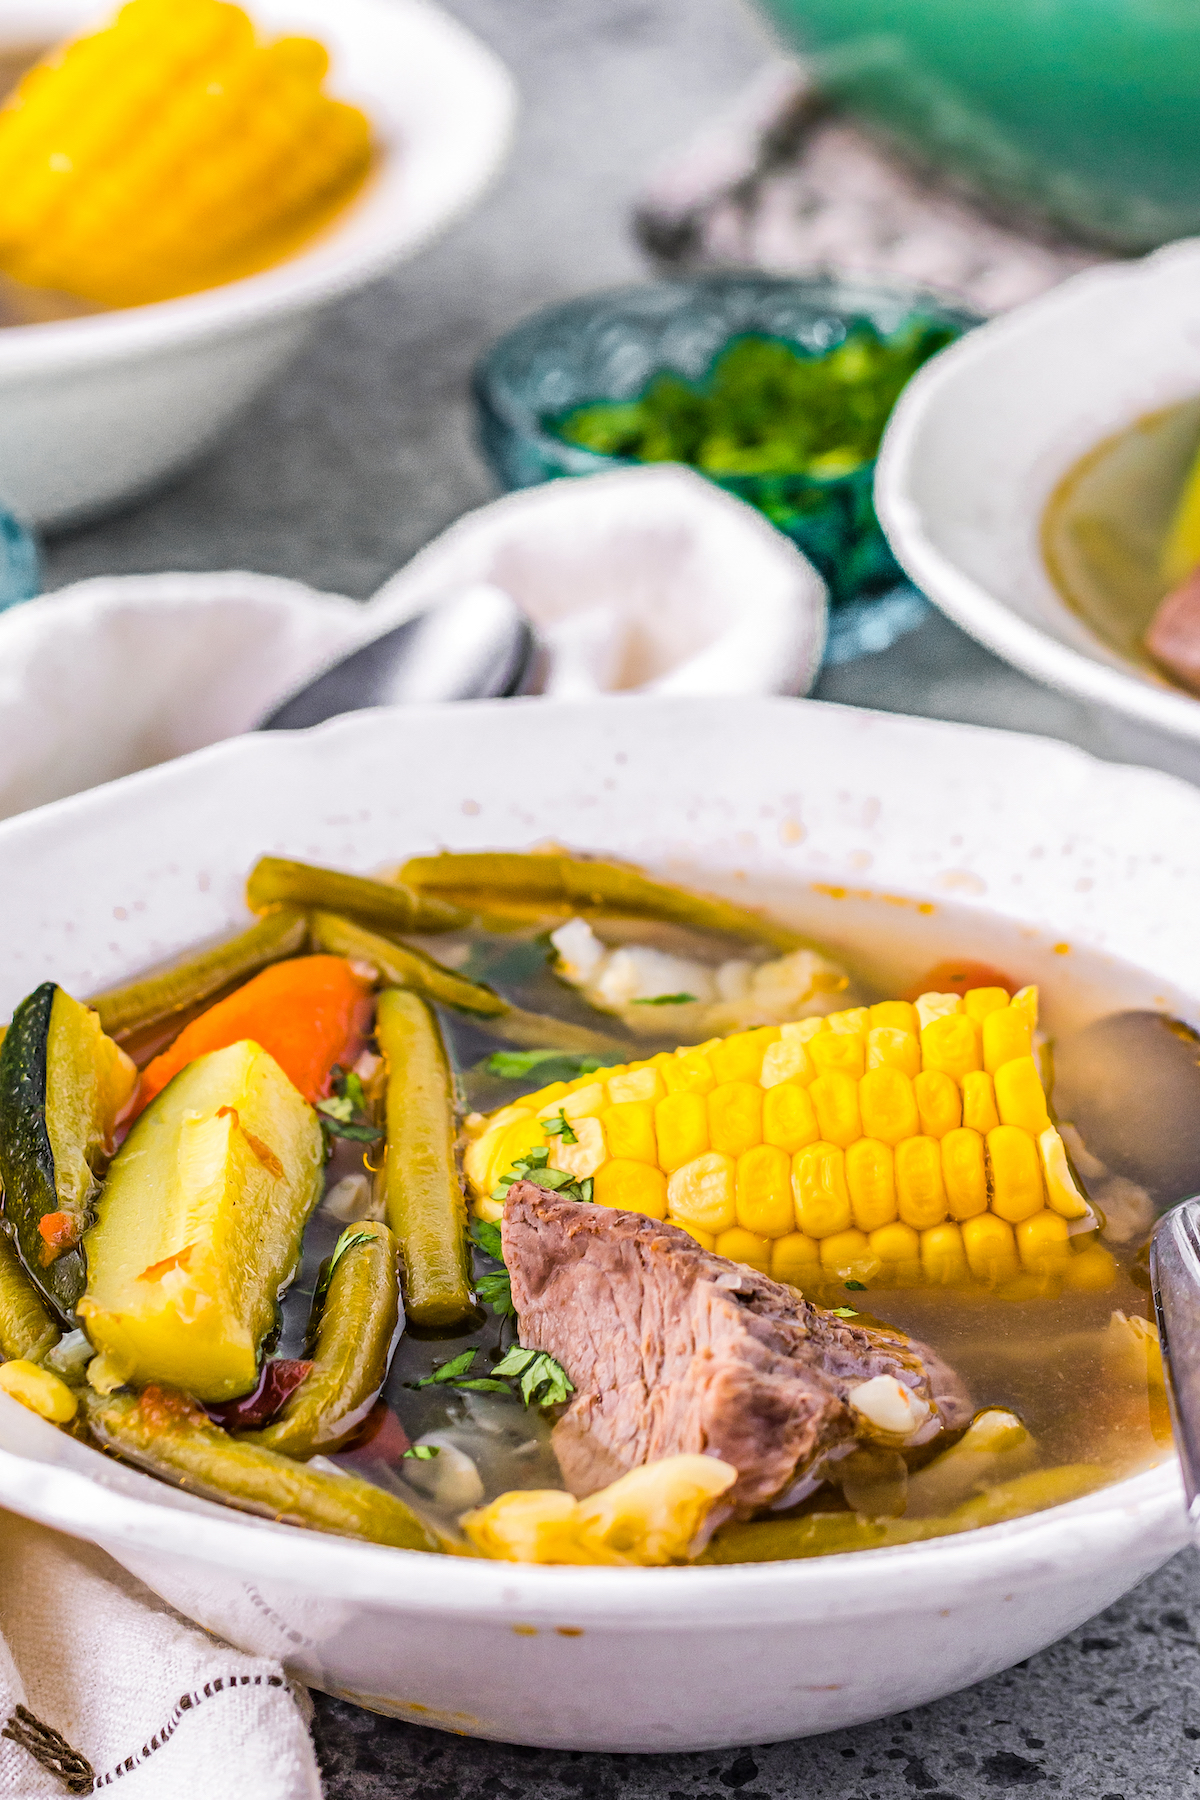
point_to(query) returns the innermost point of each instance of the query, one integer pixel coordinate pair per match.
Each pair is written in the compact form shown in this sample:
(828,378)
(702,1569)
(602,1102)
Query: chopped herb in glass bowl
(778,389)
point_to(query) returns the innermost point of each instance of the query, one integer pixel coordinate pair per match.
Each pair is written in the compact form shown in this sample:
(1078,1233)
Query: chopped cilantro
(451,1371)
(487,1236)
(422,1452)
(667,1000)
(560,1127)
(345,1113)
(533,1167)
(843,1312)
(496,1291)
(541,1378)
(857,1287)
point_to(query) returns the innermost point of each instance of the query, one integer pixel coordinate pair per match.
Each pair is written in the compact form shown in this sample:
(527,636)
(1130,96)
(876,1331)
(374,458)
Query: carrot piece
(958,977)
(309,1014)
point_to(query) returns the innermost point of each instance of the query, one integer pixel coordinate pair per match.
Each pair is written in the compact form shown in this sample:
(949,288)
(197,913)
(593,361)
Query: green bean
(595,887)
(153,998)
(27,1330)
(356,1315)
(402,966)
(423,1196)
(390,905)
(165,1432)
(830,1534)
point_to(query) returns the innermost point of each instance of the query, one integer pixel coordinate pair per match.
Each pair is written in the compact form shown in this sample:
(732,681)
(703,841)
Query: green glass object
(575,361)
(1081,114)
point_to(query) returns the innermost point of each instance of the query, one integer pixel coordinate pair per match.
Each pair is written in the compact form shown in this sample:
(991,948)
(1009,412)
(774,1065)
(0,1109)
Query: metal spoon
(1175,1281)
(476,646)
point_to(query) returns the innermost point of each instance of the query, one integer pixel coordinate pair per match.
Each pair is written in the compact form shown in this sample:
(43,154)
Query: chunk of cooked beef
(672,1349)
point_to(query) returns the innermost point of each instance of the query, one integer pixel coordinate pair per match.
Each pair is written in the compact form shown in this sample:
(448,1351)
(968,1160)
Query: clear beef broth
(1075,1380)
(1105,522)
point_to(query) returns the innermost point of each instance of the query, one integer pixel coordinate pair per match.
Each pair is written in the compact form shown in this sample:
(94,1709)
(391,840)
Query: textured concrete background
(359,456)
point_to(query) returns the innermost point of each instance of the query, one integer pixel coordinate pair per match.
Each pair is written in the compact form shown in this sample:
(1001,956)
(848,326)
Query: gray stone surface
(360,455)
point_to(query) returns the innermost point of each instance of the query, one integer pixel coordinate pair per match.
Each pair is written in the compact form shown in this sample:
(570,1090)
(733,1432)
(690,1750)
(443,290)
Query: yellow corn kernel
(795,1258)
(1043,1241)
(944,1256)
(896,1015)
(920,1190)
(871,1180)
(979,1002)
(1025,1002)
(835,1101)
(522,1135)
(764,1192)
(800,1030)
(1020,1098)
(991,1248)
(735,1117)
(838,1050)
(787,1060)
(1091,1270)
(895,1243)
(952,1044)
(979,1102)
(740,1058)
(964,1171)
(629,1131)
(585,1155)
(819,1190)
(687,1073)
(844,1252)
(1016,1173)
(636,1084)
(534,1102)
(788,1118)
(854,1021)
(582,1102)
(939,1103)
(1061,1192)
(888,1048)
(681,1126)
(39,1390)
(887,1106)
(705,1239)
(936,1006)
(745,1247)
(1006,1035)
(702,1193)
(631,1187)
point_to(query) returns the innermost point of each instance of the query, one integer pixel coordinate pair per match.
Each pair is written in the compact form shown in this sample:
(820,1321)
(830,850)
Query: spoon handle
(1175,1280)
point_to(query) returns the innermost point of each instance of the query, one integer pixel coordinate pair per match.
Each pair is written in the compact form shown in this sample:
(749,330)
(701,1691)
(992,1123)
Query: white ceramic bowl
(982,436)
(96,409)
(927,840)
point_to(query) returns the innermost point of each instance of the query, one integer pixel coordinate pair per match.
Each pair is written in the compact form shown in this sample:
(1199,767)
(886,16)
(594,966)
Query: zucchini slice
(63,1086)
(199,1227)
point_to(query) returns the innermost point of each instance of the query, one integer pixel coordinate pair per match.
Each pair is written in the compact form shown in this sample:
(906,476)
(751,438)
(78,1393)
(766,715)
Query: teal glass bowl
(1081,114)
(608,346)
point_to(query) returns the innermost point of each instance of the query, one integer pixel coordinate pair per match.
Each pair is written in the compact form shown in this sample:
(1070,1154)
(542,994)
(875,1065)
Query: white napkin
(647,579)
(103,1686)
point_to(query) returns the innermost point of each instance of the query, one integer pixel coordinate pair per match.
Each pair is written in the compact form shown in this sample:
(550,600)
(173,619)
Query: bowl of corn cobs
(776,388)
(183,188)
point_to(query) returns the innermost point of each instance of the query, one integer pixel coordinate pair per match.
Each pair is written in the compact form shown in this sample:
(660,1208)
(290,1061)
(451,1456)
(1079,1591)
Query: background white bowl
(96,409)
(988,832)
(983,435)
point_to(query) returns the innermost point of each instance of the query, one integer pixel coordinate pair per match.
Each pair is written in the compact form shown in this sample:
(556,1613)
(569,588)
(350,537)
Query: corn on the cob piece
(892,1144)
(168,152)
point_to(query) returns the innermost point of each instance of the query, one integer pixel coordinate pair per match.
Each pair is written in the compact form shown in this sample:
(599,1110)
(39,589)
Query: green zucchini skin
(26,1157)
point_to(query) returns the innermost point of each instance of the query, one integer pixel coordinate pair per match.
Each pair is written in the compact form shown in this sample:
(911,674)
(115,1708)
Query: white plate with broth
(1028,476)
(896,843)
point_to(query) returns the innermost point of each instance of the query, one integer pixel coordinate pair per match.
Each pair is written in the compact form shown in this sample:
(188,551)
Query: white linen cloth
(103,1687)
(649,580)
